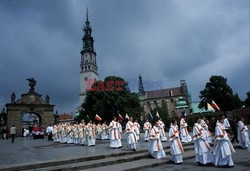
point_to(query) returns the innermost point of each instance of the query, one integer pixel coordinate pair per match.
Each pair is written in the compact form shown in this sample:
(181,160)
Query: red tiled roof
(65,117)
(163,93)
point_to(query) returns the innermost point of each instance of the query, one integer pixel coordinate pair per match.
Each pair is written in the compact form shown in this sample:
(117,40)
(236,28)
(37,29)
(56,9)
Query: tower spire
(141,89)
(87,14)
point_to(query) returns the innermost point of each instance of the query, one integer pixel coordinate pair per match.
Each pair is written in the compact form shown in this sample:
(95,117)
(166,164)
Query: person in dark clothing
(234,125)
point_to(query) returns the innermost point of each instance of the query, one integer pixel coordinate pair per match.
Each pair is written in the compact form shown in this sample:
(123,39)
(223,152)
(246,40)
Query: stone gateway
(32,103)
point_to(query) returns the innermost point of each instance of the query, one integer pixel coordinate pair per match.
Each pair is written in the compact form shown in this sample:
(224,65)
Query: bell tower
(88,66)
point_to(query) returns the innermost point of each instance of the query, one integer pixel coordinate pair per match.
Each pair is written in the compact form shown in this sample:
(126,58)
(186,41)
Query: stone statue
(47,99)
(13,97)
(32,83)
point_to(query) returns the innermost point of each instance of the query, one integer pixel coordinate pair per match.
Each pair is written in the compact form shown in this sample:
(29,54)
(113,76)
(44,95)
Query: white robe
(243,137)
(146,127)
(131,135)
(82,134)
(175,144)
(104,132)
(162,131)
(98,131)
(202,148)
(226,123)
(206,132)
(155,149)
(137,130)
(55,134)
(223,147)
(90,133)
(75,134)
(185,137)
(115,135)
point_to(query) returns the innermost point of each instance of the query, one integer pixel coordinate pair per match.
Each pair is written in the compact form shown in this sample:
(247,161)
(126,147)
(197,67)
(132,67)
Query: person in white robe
(185,137)
(206,132)
(70,134)
(162,130)
(203,154)
(120,127)
(175,143)
(75,134)
(243,137)
(137,130)
(82,133)
(147,127)
(98,131)
(115,135)
(223,148)
(55,133)
(104,131)
(90,133)
(156,149)
(131,135)
(226,124)
(64,133)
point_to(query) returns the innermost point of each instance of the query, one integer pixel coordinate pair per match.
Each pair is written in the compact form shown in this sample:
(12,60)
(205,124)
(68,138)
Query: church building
(176,100)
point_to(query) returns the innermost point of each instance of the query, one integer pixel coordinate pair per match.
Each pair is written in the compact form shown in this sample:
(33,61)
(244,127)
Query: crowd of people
(220,155)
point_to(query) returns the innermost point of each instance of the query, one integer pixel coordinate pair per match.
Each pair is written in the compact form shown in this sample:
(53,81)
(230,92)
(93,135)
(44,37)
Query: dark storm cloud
(163,40)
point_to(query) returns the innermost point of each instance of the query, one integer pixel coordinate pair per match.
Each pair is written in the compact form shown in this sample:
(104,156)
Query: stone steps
(142,163)
(56,164)
(115,161)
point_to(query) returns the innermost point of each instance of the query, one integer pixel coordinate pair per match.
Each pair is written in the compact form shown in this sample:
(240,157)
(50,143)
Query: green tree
(247,101)
(163,112)
(218,90)
(109,97)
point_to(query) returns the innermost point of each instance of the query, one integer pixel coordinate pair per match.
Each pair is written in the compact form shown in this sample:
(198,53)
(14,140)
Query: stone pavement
(28,150)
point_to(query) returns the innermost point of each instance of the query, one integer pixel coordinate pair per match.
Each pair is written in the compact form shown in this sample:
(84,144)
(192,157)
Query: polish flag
(120,116)
(215,106)
(97,117)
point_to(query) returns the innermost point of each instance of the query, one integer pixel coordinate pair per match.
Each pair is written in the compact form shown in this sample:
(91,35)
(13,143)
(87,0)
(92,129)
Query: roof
(65,116)
(163,93)
(196,109)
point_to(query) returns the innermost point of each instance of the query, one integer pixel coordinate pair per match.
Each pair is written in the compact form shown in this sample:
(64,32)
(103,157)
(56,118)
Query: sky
(163,40)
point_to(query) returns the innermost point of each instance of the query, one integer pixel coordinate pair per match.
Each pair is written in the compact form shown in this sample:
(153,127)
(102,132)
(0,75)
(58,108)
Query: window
(89,66)
(85,68)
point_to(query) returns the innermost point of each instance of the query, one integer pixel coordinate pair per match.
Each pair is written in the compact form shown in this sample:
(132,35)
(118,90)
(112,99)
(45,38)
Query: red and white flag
(97,117)
(120,116)
(215,106)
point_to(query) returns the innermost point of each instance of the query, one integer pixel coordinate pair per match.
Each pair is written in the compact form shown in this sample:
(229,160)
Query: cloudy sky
(163,40)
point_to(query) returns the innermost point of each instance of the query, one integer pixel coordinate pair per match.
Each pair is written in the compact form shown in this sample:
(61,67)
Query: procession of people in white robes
(221,155)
